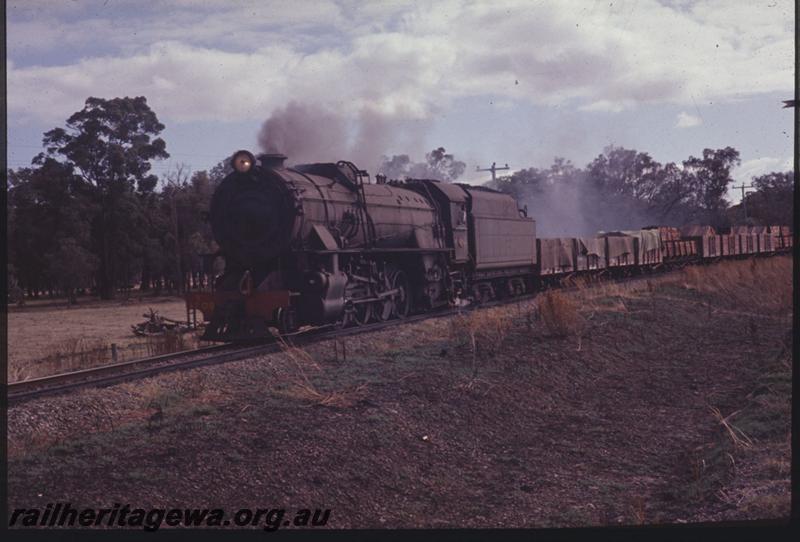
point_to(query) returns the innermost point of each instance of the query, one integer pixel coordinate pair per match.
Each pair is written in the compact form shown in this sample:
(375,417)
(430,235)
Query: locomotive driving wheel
(384,308)
(401,299)
(362,313)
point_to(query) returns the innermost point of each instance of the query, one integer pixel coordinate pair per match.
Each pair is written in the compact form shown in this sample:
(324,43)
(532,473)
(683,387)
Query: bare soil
(610,421)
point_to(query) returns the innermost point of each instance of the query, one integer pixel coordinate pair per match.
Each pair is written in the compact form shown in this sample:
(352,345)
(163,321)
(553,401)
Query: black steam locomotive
(321,244)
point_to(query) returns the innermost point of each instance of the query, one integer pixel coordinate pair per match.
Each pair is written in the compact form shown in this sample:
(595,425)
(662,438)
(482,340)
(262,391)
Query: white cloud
(761,166)
(211,60)
(685,120)
(756,167)
(603,106)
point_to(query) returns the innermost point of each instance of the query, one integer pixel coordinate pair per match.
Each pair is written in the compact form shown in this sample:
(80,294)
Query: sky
(517,82)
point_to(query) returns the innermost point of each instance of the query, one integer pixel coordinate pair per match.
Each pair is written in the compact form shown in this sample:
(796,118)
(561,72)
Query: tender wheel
(401,301)
(481,293)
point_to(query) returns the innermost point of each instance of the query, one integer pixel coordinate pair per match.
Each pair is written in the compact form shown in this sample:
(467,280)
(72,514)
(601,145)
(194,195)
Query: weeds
(78,353)
(755,441)
(738,437)
(763,285)
(482,333)
(637,508)
(155,395)
(298,385)
(69,355)
(559,314)
(165,343)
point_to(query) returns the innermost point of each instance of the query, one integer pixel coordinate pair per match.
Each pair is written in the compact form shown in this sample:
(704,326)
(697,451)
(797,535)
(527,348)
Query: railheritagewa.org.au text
(121,516)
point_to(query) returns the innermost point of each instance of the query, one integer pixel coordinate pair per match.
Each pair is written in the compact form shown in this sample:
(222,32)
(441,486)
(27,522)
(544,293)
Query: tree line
(624,189)
(88,215)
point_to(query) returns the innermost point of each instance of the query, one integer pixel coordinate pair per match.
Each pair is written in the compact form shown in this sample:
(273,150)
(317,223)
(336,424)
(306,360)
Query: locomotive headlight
(243,161)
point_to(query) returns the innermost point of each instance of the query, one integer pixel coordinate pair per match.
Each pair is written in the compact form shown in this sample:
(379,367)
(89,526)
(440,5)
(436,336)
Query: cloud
(606,106)
(756,167)
(198,60)
(685,120)
(761,166)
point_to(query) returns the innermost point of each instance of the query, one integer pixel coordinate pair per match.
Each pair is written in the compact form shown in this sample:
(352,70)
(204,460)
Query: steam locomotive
(318,244)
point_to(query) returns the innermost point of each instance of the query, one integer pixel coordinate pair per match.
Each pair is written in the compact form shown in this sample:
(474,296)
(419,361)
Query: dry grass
(559,314)
(185,392)
(738,437)
(760,286)
(638,510)
(71,354)
(296,383)
(77,353)
(480,332)
(36,332)
(763,285)
(169,342)
(305,391)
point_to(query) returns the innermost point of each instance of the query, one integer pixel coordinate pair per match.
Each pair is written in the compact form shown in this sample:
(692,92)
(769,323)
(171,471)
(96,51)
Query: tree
(70,266)
(178,232)
(522,183)
(199,238)
(625,172)
(772,203)
(710,177)
(46,203)
(438,165)
(443,166)
(108,143)
(176,184)
(14,292)
(26,230)
(670,204)
(220,171)
(624,189)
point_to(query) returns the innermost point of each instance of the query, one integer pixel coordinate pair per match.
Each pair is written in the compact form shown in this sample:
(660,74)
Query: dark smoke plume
(313,133)
(304,133)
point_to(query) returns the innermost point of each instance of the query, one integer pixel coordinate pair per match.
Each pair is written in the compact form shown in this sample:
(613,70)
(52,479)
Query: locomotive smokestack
(272,160)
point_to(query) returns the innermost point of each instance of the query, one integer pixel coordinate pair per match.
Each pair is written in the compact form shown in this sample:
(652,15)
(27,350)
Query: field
(666,401)
(45,329)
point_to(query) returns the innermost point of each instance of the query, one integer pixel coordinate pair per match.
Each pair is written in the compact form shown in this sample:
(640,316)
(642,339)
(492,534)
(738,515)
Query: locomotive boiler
(321,244)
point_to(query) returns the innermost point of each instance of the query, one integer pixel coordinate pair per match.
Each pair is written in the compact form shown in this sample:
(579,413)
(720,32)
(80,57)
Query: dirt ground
(665,403)
(43,328)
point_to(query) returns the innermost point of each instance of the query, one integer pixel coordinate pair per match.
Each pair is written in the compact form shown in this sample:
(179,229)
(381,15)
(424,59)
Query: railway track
(106,375)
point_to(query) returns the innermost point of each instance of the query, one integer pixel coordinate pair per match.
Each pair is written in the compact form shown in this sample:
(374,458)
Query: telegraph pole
(744,198)
(494,169)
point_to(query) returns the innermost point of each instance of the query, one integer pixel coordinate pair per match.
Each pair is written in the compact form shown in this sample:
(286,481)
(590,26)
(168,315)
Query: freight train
(318,244)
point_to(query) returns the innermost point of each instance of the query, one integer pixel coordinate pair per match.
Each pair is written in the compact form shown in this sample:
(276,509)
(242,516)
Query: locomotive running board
(378,251)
